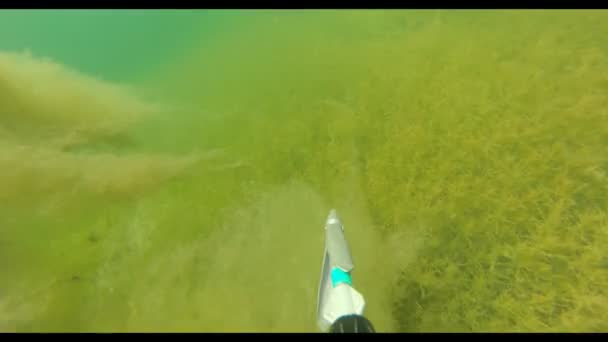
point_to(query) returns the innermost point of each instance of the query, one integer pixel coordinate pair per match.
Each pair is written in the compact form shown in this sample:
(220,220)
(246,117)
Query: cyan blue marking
(338,276)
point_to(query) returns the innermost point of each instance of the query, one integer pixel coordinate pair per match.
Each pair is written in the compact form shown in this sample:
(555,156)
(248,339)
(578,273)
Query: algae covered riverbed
(172,170)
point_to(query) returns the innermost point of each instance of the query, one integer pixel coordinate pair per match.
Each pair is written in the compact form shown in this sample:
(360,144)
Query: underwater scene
(173,170)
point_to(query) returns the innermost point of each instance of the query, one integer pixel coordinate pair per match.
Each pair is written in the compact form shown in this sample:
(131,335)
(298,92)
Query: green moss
(465,148)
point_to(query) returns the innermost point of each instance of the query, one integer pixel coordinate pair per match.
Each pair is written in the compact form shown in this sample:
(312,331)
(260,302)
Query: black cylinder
(352,324)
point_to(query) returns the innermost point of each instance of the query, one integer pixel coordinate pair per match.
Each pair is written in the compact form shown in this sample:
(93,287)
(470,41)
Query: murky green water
(172,170)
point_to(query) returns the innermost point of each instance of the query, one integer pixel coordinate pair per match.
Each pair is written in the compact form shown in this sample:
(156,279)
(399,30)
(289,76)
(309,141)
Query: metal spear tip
(333,217)
(333,220)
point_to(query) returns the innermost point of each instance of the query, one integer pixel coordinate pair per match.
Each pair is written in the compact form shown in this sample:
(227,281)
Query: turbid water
(172,170)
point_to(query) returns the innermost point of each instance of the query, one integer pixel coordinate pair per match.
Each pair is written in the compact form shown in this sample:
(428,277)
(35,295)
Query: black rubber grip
(352,324)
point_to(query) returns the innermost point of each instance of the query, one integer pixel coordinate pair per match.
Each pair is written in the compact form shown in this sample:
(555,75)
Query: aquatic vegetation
(465,151)
(480,134)
(65,156)
(64,131)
